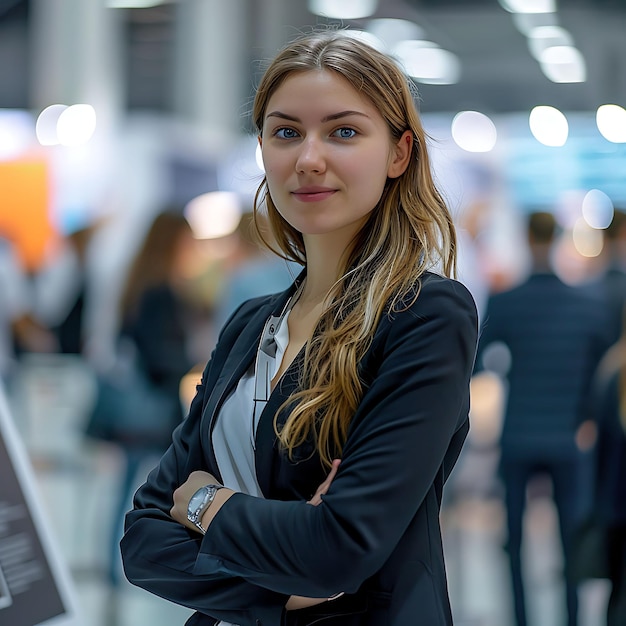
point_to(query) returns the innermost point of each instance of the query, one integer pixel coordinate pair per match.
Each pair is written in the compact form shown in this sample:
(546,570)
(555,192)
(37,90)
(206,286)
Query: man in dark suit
(555,334)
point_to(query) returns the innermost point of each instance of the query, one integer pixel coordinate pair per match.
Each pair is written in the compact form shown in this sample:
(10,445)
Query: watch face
(196,501)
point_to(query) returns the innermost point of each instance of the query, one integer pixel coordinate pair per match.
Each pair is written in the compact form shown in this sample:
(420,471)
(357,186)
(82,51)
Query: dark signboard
(35,589)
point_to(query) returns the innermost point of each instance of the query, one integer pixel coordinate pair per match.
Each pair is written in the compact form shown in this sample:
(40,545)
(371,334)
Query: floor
(78,480)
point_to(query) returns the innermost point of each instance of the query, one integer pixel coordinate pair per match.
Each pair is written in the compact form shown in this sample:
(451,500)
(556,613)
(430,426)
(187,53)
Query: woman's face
(327,153)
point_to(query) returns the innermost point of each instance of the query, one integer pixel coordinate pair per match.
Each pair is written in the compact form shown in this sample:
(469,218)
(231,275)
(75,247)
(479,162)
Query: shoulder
(439,295)
(436,285)
(436,298)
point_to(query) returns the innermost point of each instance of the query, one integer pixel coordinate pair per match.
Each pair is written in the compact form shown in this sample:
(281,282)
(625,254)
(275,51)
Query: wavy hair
(408,232)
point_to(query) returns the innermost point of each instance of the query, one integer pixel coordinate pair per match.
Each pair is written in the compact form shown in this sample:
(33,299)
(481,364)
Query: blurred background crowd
(127,176)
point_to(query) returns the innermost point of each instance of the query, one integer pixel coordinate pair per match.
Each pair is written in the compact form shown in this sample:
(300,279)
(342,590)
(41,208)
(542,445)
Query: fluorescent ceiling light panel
(344,9)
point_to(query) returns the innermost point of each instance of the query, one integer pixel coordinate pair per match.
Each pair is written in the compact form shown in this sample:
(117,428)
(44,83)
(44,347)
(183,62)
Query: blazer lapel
(239,358)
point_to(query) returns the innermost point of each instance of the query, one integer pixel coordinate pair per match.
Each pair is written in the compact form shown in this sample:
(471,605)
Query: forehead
(318,91)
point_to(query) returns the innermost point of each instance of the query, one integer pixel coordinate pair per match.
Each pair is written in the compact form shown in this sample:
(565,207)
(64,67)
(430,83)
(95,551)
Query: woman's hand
(325,486)
(183,494)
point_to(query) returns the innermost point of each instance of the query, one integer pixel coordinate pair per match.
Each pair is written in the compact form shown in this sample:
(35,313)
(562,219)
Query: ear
(402,152)
(260,140)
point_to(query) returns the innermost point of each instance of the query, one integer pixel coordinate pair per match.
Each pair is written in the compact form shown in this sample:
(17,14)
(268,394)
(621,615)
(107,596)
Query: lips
(313,194)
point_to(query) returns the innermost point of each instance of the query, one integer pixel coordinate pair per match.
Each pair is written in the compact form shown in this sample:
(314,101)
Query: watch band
(206,496)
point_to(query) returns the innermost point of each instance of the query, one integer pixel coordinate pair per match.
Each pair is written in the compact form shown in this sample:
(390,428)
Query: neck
(323,261)
(541,258)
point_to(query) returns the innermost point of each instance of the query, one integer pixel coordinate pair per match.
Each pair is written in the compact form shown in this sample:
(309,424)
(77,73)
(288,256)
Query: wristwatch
(199,503)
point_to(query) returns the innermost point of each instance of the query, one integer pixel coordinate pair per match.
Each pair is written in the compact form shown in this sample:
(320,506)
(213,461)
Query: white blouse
(235,427)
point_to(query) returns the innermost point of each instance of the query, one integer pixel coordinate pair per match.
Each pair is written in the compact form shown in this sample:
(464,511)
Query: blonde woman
(304,486)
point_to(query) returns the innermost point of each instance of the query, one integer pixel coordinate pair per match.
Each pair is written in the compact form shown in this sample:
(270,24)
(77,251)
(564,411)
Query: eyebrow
(327,118)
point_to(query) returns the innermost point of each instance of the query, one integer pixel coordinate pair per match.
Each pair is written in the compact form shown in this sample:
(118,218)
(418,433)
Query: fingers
(333,471)
(325,486)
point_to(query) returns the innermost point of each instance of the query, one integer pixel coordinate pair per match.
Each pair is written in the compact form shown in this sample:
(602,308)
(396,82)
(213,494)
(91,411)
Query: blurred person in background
(155,324)
(314,456)
(255,271)
(19,329)
(62,290)
(610,452)
(556,336)
(610,495)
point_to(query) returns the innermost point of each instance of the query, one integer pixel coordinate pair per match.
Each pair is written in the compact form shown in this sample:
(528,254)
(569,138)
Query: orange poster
(24,208)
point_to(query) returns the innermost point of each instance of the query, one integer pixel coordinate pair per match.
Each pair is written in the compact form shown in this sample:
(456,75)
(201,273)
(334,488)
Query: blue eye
(286,133)
(345,133)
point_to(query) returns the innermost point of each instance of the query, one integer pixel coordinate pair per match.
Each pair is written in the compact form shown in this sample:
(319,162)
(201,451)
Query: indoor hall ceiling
(498,74)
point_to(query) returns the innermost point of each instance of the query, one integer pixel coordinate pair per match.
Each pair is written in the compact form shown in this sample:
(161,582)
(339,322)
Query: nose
(311,157)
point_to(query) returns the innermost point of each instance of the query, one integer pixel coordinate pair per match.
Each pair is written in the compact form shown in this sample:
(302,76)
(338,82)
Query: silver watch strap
(196,518)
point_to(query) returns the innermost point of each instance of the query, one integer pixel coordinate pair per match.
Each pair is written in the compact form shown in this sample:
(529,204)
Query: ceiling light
(366,37)
(543,37)
(529,6)
(427,62)
(549,126)
(611,121)
(563,64)
(474,132)
(133,4)
(391,30)
(344,10)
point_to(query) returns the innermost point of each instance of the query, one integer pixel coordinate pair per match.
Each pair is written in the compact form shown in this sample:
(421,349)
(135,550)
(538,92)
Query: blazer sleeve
(398,442)
(159,554)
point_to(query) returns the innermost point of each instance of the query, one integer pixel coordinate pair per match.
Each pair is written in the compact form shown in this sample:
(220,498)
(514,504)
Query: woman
(304,486)
(155,316)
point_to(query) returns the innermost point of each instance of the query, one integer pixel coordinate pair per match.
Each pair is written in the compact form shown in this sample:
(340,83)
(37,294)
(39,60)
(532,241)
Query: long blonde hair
(409,232)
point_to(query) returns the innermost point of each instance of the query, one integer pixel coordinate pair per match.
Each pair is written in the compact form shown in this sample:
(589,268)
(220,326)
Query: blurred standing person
(610,451)
(19,330)
(62,290)
(610,497)
(155,321)
(555,334)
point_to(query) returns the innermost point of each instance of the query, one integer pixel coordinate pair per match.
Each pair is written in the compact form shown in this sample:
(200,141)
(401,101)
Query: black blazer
(376,536)
(556,334)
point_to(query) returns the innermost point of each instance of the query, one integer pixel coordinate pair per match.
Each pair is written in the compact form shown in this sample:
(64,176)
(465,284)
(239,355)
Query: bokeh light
(549,126)
(597,209)
(76,125)
(474,132)
(213,215)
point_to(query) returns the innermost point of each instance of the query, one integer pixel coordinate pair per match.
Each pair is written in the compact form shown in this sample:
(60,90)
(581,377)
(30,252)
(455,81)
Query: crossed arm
(198,479)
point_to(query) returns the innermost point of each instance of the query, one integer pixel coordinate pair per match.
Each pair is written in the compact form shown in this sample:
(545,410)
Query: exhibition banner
(35,587)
